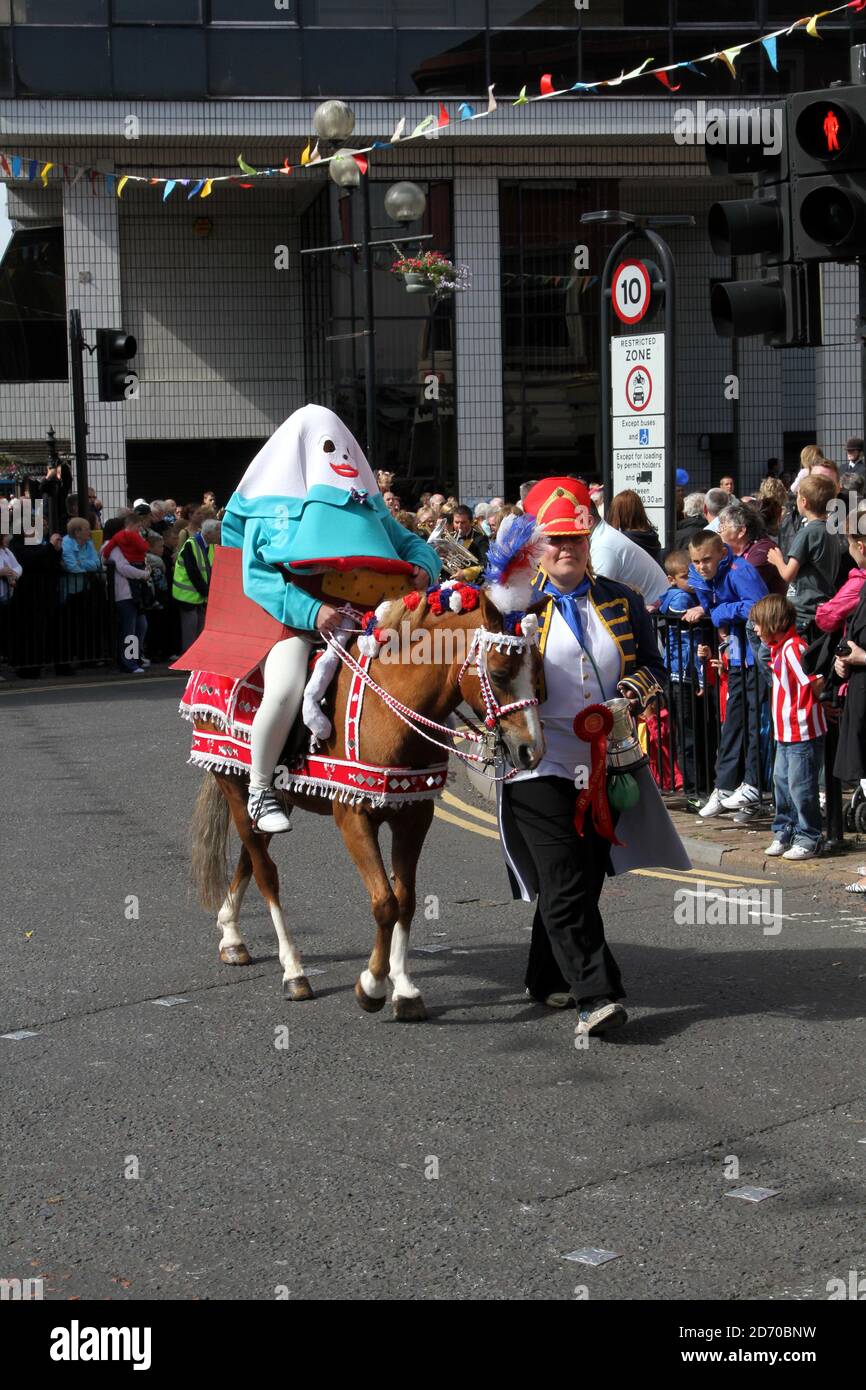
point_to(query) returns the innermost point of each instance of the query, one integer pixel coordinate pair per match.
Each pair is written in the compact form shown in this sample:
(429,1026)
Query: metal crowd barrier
(58,619)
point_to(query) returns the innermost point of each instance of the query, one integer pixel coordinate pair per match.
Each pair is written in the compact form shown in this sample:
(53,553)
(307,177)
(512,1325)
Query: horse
(468,658)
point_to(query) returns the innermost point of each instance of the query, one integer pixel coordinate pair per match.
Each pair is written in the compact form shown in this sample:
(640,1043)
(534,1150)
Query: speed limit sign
(631,291)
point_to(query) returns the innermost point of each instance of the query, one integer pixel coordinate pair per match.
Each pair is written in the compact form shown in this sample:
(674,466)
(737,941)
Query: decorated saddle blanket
(228,707)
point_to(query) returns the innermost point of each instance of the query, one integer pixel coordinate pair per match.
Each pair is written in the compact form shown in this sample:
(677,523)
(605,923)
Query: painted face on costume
(331,456)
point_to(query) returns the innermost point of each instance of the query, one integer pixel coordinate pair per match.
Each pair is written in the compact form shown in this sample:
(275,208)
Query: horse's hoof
(297,989)
(409,1010)
(370,1006)
(235,955)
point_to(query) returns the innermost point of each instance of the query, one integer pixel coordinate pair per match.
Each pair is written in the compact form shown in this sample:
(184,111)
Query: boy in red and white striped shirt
(799,725)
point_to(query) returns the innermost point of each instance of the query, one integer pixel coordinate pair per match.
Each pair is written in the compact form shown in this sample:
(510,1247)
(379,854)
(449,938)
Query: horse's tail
(208,833)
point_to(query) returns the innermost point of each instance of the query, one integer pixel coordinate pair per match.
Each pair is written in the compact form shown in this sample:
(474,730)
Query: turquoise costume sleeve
(264,583)
(411,548)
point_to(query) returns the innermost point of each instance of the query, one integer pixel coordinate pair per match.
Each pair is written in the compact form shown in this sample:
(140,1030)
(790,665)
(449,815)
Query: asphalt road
(307,1170)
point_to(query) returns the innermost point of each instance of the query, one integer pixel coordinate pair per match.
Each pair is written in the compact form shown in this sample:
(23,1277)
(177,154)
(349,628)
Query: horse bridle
(482,642)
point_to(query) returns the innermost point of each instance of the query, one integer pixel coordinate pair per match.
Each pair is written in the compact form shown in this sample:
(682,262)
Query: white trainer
(266,813)
(745,795)
(776,848)
(801,852)
(715,805)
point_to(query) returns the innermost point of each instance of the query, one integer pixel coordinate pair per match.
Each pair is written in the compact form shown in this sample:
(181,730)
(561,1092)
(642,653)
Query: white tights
(285,673)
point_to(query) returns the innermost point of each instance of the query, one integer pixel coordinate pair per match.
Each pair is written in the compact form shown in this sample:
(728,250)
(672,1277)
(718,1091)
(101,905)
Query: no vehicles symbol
(638,388)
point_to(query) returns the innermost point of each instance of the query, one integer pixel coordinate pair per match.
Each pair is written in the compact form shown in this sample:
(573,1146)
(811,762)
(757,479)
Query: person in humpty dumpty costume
(312,525)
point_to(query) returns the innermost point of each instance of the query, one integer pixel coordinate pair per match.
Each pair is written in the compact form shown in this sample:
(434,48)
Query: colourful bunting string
(14,165)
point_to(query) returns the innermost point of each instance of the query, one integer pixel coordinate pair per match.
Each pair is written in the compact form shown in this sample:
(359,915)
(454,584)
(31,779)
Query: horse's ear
(491,617)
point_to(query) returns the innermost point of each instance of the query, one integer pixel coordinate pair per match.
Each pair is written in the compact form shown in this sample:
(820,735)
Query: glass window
(714,78)
(610,14)
(545,13)
(33,307)
(153,63)
(519,56)
(254,63)
(346,14)
(148,11)
(5,11)
(335,68)
(415,14)
(57,11)
(437,62)
(698,12)
(608,54)
(62,62)
(5,64)
(253,12)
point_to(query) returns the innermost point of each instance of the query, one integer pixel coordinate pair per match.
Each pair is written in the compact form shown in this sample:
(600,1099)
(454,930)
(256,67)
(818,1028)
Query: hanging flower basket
(431,273)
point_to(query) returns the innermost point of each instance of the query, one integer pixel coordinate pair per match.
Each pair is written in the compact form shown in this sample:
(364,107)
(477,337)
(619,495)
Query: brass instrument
(454,556)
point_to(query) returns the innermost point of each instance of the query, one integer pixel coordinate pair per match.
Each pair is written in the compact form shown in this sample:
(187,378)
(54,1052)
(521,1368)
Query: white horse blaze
(399,975)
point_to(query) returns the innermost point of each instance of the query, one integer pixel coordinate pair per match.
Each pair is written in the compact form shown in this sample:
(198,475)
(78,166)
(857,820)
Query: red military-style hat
(561,506)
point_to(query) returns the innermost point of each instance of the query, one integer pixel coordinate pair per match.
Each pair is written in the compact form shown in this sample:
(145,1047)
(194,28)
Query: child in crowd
(686,674)
(813,556)
(800,725)
(727,587)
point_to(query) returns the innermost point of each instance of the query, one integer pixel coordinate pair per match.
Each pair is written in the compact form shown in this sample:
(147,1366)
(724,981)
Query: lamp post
(333,122)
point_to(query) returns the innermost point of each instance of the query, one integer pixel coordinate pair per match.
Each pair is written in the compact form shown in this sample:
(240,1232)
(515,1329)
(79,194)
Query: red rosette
(468,596)
(368,618)
(593,725)
(412,599)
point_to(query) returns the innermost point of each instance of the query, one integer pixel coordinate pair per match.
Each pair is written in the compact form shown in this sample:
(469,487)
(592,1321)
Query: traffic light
(783,302)
(827,145)
(114,349)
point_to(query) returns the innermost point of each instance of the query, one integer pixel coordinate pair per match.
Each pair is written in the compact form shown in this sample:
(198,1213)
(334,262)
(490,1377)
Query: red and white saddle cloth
(231,705)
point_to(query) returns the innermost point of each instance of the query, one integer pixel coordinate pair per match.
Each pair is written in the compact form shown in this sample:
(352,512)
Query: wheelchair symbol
(643,437)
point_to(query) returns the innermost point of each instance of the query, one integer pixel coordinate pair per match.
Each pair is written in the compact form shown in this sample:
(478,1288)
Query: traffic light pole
(79,420)
(667,287)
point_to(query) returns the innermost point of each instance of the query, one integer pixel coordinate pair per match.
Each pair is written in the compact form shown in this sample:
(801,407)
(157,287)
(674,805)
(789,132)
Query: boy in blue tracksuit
(685,671)
(726,588)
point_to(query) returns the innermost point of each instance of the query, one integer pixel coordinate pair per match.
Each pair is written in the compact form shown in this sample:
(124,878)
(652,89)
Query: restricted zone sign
(638,420)
(631,291)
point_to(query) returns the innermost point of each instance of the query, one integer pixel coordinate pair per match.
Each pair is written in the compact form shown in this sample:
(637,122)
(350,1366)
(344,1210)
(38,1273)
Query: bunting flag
(769,45)
(16,166)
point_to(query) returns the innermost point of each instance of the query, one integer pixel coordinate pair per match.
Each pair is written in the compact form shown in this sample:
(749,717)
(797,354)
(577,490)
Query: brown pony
(433,688)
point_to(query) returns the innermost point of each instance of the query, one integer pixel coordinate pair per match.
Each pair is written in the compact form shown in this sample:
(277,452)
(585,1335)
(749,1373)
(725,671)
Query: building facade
(237,327)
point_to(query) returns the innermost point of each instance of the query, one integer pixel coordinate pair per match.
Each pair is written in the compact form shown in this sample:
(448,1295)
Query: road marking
(465,824)
(704,876)
(37,689)
(469,810)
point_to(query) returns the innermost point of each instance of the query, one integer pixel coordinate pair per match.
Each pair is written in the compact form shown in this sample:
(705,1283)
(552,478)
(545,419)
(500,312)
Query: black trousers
(568,950)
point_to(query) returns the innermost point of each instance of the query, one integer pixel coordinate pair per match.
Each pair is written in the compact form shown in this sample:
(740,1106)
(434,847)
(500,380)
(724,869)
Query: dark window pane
(254,63)
(5,11)
(698,12)
(143,11)
(714,78)
(524,12)
(416,14)
(252,12)
(346,14)
(156,63)
(608,54)
(5,64)
(33,307)
(804,69)
(62,62)
(57,11)
(362,67)
(440,62)
(640,12)
(519,56)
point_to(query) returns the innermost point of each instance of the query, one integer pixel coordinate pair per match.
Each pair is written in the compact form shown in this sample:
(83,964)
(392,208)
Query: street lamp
(405,202)
(333,120)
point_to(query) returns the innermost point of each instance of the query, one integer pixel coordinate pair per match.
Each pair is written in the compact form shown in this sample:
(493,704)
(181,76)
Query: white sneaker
(745,795)
(266,813)
(800,852)
(144,661)
(715,805)
(776,848)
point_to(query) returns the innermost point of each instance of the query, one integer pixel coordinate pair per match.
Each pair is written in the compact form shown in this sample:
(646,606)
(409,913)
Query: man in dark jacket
(727,587)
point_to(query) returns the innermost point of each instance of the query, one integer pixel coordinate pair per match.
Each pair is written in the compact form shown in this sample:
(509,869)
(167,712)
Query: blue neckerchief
(566,606)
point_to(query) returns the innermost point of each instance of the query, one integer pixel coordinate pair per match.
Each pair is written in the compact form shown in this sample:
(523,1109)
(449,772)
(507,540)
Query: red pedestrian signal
(831,130)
